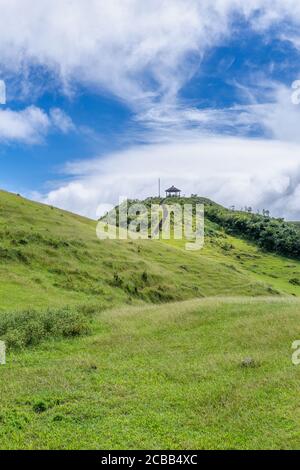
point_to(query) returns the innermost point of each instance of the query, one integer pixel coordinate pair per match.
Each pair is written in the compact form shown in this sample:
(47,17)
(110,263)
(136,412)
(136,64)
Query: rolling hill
(51,257)
(141,344)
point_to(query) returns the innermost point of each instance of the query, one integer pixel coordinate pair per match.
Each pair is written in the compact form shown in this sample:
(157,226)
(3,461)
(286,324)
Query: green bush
(40,407)
(31,327)
(295,281)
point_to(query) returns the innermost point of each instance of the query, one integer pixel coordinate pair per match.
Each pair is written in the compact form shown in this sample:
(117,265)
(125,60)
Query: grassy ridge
(269,233)
(238,240)
(50,257)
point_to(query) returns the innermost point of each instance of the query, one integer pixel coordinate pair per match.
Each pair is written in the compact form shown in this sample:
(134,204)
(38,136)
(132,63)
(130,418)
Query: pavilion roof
(173,190)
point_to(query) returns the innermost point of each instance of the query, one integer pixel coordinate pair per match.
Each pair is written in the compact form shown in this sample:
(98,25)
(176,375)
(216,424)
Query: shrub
(31,327)
(40,407)
(118,281)
(295,282)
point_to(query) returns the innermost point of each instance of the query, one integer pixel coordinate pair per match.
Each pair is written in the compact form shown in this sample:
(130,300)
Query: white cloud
(61,120)
(2,92)
(142,52)
(228,170)
(139,51)
(28,125)
(31,124)
(279,117)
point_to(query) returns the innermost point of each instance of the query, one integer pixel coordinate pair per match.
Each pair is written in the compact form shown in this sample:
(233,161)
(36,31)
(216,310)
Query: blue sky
(102,103)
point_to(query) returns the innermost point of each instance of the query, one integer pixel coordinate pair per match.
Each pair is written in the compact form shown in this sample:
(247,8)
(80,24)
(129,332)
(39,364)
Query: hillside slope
(52,257)
(246,242)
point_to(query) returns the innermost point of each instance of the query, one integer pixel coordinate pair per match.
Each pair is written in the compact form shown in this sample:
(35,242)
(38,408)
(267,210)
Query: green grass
(161,377)
(276,271)
(49,257)
(140,344)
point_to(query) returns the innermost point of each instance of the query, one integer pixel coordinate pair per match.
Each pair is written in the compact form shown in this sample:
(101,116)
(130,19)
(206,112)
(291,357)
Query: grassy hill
(52,257)
(140,344)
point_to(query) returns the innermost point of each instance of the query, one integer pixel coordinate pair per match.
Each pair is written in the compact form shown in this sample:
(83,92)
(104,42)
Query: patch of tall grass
(29,328)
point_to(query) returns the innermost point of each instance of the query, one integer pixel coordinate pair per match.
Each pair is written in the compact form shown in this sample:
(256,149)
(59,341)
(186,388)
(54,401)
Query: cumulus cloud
(27,126)
(31,124)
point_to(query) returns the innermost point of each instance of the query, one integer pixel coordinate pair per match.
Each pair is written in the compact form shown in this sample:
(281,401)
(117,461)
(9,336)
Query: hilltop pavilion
(173,192)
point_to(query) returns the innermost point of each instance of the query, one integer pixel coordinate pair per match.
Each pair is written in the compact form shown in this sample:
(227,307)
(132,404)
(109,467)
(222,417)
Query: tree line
(269,233)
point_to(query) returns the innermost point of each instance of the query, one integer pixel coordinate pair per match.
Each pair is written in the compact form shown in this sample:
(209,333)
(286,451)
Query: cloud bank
(263,174)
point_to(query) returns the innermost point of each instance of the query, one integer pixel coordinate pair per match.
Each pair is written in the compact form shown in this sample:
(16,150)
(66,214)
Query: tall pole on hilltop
(159,188)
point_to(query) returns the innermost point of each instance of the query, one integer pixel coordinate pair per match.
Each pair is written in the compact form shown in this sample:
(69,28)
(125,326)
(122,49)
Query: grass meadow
(161,377)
